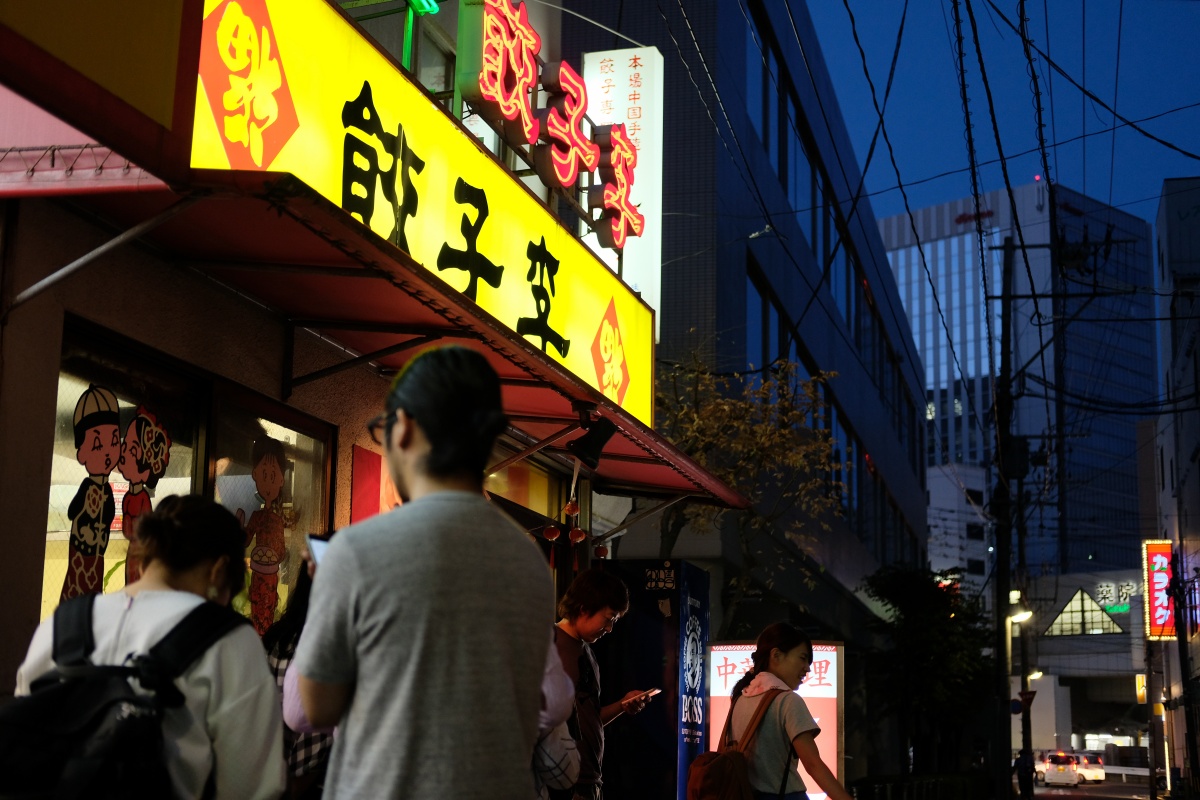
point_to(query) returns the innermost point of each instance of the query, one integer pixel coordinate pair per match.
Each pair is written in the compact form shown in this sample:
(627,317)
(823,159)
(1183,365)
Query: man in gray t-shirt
(426,634)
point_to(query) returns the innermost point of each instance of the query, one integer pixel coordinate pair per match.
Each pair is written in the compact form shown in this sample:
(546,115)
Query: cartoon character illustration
(265,530)
(145,454)
(97,448)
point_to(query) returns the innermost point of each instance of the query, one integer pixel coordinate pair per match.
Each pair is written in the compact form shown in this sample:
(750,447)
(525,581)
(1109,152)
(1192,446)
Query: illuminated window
(132,428)
(1082,615)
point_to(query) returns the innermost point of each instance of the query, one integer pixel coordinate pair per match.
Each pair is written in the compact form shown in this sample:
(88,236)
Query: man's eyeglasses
(380,428)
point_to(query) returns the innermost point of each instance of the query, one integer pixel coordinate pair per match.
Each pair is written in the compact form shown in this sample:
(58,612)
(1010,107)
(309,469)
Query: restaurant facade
(225,225)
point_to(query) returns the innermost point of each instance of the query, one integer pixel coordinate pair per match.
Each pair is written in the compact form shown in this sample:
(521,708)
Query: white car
(1090,766)
(1062,769)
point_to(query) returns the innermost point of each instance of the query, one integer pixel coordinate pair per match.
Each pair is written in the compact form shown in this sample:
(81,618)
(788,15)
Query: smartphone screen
(317,547)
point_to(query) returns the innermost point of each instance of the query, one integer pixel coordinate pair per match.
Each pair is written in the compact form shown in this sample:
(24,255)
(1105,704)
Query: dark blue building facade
(767,255)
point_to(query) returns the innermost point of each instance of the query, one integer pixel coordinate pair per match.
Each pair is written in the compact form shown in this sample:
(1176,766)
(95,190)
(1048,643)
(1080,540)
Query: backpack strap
(756,721)
(73,640)
(182,645)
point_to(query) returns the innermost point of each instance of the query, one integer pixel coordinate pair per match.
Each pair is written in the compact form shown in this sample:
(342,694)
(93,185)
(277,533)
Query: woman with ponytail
(782,659)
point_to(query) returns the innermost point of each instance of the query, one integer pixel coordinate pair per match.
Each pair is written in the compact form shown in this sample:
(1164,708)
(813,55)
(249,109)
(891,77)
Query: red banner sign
(1156,572)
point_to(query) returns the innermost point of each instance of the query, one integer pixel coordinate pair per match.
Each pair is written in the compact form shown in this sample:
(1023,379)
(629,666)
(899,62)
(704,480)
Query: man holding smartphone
(593,603)
(426,637)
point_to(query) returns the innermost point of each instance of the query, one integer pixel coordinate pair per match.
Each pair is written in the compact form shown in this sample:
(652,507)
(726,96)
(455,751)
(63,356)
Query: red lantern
(577,535)
(571,508)
(551,533)
(601,551)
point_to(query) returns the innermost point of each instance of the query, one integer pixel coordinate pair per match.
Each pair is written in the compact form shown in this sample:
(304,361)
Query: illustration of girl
(265,530)
(97,448)
(145,454)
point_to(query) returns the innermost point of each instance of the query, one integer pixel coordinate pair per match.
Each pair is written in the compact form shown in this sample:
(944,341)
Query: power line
(1112,156)
(950,173)
(1012,201)
(1087,93)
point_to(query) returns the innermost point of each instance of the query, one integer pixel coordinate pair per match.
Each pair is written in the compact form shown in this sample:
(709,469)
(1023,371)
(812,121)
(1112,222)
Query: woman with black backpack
(221,733)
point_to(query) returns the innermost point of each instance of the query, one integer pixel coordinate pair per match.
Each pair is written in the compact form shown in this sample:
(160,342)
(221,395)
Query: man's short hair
(454,395)
(592,590)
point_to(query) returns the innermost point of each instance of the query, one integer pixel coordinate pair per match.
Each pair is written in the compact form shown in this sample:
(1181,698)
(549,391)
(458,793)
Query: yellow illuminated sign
(291,86)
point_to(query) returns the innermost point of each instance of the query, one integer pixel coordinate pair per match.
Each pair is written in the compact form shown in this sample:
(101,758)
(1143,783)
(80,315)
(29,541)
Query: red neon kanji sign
(618,158)
(509,73)
(562,126)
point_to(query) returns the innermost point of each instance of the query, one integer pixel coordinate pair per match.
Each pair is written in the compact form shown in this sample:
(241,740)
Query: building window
(1081,616)
(756,80)
(975,532)
(975,566)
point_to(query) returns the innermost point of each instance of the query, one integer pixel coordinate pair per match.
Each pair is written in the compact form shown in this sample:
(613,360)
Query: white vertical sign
(626,87)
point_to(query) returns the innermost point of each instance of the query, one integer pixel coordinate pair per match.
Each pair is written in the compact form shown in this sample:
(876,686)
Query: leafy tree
(935,673)
(761,434)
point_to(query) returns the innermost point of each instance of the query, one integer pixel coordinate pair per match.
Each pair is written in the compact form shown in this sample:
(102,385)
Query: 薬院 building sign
(1115,596)
(626,88)
(1156,572)
(292,86)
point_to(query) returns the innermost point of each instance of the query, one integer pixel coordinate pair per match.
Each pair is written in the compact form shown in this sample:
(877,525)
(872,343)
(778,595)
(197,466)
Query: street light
(1035,675)
(1021,614)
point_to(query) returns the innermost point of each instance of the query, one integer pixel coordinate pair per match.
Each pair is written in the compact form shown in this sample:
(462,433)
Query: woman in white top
(229,725)
(781,660)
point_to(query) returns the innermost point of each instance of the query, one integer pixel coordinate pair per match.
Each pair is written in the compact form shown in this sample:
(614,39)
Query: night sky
(1159,71)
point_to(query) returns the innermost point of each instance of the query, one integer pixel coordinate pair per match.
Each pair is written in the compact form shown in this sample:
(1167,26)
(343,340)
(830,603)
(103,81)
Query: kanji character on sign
(252,93)
(726,669)
(819,674)
(607,66)
(612,351)
(561,121)
(1105,592)
(635,62)
(633,112)
(1125,590)
(542,268)
(361,170)
(618,158)
(474,263)
(635,80)
(509,74)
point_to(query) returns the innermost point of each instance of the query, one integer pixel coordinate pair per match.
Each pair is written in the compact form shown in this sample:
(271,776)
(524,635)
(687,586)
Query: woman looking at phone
(782,659)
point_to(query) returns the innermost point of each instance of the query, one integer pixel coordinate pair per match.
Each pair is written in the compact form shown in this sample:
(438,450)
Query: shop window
(125,435)
(527,485)
(132,427)
(270,470)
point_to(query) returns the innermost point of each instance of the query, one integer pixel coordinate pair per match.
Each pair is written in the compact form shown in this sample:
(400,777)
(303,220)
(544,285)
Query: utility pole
(1058,304)
(1179,595)
(1153,692)
(1002,513)
(1021,452)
